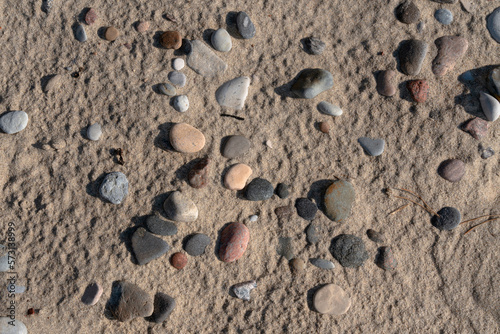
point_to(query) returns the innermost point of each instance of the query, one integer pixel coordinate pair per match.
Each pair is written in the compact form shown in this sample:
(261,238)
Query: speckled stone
(259,190)
(185,138)
(450,50)
(233,242)
(128,301)
(411,56)
(163,306)
(147,247)
(452,170)
(197,244)
(449,218)
(242,290)
(91,16)
(167,89)
(312,82)
(178,207)
(407,12)
(331,299)
(178,260)
(339,199)
(114,187)
(285,248)
(349,250)
(419,90)
(306,208)
(385,259)
(476,127)
(159,226)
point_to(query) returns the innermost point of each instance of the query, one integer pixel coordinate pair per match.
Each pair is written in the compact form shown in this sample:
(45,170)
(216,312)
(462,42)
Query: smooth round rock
(328,108)
(385,259)
(236,146)
(233,93)
(143,26)
(197,244)
(6,328)
(489,105)
(450,50)
(324,127)
(245,26)
(407,12)
(322,263)
(128,301)
(452,170)
(236,177)
(449,218)
(114,187)
(493,24)
(349,250)
(385,83)
(443,16)
(312,82)
(147,247)
(163,306)
(375,236)
(180,103)
(167,89)
(253,218)
(411,56)
(92,294)
(91,16)
(233,242)
(314,45)
(171,40)
(312,234)
(185,138)
(373,147)
(94,132)
(159,226)
(179,260)
(80,34)
(419,90)
(221,41)
(338,200)
(259,190)
(306,208)
(111,34)
(178,64)
(282,190)
(14,122)
(177,78)
(178,207)
(331,299)
(198,175)
(298,265)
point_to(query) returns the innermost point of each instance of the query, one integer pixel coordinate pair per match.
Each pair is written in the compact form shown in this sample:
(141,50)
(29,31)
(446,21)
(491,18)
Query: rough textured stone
(91,16)
(80,34)
(419,89)
(312,82)
(407,12)
(177,78)
(114,187)
(204,61)
(171,40)
(312,234)
(450,50)
(331,299)
(197,244)
(233,93)
(163,306)
(221,41)
(179,260)
(385,259)
(314,45)
(452,170)
(6,328)
(233,242)
(94,132)
(490,106)
(411,56)
(147,247)
(259,190)
(476,127)
(493,24)
(128,301)
(349,250)
(14,122)
(449,218)
(236,177)
(322,263)
(242,290)
(111,34)
(236,146)
(385,83)
(375,236)
(179,207)
(285,248)
(338,199)
(306,208)
(245,26)
(373,147)
(167,89)
(186,138)
(159,226)
(443,16)
(328,108)
(284,213)
(282,190)
(198,175)
(92,294)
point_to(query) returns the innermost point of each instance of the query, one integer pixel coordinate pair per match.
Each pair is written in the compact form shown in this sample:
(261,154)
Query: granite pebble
(349,250)
(90,16)
(419,90)
(385,259)
(234,240)
(476,127)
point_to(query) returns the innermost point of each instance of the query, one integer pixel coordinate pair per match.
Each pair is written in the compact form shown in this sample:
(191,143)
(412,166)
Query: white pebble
(94,132)
(181,103)
(253,218)
(269,144)
(178,64)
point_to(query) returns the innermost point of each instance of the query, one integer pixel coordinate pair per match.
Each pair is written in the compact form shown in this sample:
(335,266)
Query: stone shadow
(92,187)
(317,192)
(231,26)
(162,140)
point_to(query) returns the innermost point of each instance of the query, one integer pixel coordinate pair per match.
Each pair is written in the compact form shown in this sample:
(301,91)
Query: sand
(67,237)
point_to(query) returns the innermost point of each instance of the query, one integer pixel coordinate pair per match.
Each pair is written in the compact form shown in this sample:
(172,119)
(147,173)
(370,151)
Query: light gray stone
(178,64)
(221,41)
(493,24)
(167,89)
(7,328)
(245,26)
(114,188)
(204,61)
(94,132)
(179,207)
(322,263)
(232,94)
(177,78)
(373,147)
(242,290)
(329,109)
(490,106)
(14,122)
(181,103)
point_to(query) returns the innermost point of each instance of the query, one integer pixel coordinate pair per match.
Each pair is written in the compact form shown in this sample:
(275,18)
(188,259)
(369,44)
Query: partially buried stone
(80,34)
(198,175)
(443,16)
(259,190)
(111,34)
(373,147)
(324,127)
(142,26)
(10,326)
(448,219)
(147,247)
(490,106)
(322,263)
(185,138)
(411,56)
(312,234)
(242,290)
(128,301)
(233,93)
(338,200)
(298,265)
(314,45)
(452,170)
(53,83)
(312,82)
(186,46)
(407,12)
(284,213)
(375,236)
(163,306)
(14,122)
(419,89)
(349,250)
(493,24)
(177,78)
(91,16)
(385,84)
(328,108)
(179,207)
(221,41)
(179,260)
(92,294)
(331,299)
(180,103)
(385,259)
(94,132)
(114,187)
(282,190)
(171,40)
(285,248)
(450,50)
(197,244)
(204,61)
(245,26)
(469,6)
(233,242)
(159,226)
(236,177)
(167,89)
(236,146)
(476,127)
(306,208)
(486,152)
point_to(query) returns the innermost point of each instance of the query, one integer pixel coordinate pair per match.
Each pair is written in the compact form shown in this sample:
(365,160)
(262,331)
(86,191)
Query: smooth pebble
(411,56)
(178,64)
(322,263)
(221,41)
(373,147)
(385,258)
(448,219)
(177,78)
(114,187)
(185,138)
(443,16)
(493,24)
(178,207)
(233,93)
(80,34)
(167,89)
(196,244)
(328,108)
(452,170)
(236,177)
(92,294)
(245,26)
(259,190)
(14,121)
(159,226)
(331,299)
(338,200)
(450,50)
(128,301)
(490,106)
(94,132)
(236,146)
(306,208)
(311,82)
(234,240)
(163,306)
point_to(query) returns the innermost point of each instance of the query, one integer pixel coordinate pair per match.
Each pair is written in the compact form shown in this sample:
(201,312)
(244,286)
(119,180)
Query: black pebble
(159,226)
(282,190)
(349,250)
(196,244)
(448,219)
(259,189)
(306,208)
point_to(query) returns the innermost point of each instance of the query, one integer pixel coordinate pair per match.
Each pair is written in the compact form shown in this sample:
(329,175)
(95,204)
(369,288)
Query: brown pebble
(419,89)
(297,265)
(324,127)
(111,34)
(476,127)
(143,26)
(90,16)
(198,175)
(179,260)
(171,40)
(452,170)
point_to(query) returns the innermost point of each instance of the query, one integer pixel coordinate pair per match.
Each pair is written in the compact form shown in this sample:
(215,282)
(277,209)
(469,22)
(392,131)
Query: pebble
(53,83)
(449,218)
(233,242)
(411,56)
(306,208)
(242,290)
(128,301)
(180,103)
(284,213)
(91,16)
(312,82)
(186,46)
(312,234)
(221,41)
(331,299)
(58,143)
(315,46)
(385,83)
(298,265)
(47,5)
(452,170)
(177,78)
(373,147)
(179,260)
(92,294)
(80,34)
(407,12)
(490,106)
(236,177)
(159,226)
(322,263)
(487,153)
(329,109)
(167,89)
(282,190)
(419,89)
(94,132)
(324,127)
(198,175)
(233,93)
(236,146)
(245,25)
(185,138)
(420,27)
(338,200)
(285,248)
(494,82)
(450,50)
(13,122)
(443,16)
(349,250)
(476,127)
(259,190)
(143,26)
(375,236)
(111,34)
(269,143)
(385,259)
(114,187)
(253,218)
(163,306)
(171,40)
(178,207)
(178,64)
(6,328)
(469,6)
(197,244)
(204,61)
(147,247)
(493,24)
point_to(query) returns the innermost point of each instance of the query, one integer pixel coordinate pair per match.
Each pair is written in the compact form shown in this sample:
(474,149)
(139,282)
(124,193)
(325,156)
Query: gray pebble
(245,25)
(94,132)
(259,190)
(282,190)
(349,250)
(114,188)
(407,12)
(167,89)
(159,226)
(177,78)
(411,56)
(180,103)
(253,218)
(449,218)
(285,248)
(487,153)
(322,263)
(375,236)
(128,301)
(80,33)
(221,41)
(493,24)
(14,122)
(147,247)
(197,244)
(314,45)
(443,16)
(312,234)
(306,208)
(204,61)
(242,290)
(329,109)
(236,146)
(373,147)
(163,306)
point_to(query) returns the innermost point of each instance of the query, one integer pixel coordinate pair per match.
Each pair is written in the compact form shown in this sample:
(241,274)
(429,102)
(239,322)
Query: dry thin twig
(411,192)
(498,216)
(481,224)
(398,209)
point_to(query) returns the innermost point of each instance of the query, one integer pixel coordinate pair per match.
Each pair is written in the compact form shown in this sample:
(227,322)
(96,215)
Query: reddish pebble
(452,170)
(179,260)
(198,175)
(233,242)
(324,127)
(171,40)
(476,127)
(90,16)
(419,89)
(143,26)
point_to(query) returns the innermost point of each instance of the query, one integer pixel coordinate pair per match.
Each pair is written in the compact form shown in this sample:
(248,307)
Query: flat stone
(80,34)
(198,175)
(486,152)
(285,248)
(159,226)
(178,207)
(476,127)
(385,83)
(494,82)
(253,218)
(6,328)
(14,122)
(167,89)
(493,24)
(306,208)
(331,299)
(282,190)
(114,187)
(452,170)
(171,40)
(297,265)
(322,263)
(180,103)
(450,50)
(163,306)
(111,34)
(204,61)
(411,56)
(373,147)
(443,16)
(245,26)
(236,146)
(375,236)
(53,83)
(242,290)
(385,259)
(338,199)
(178,64)
(349,250)
(94,132)
(314,45)
(233,93)
(221,41)
(92,294)
(312,82)
(419,90)
(233,242)
(177,78)
(407,12)
(91,16)
(449,218)
(259,190)
(143,26)
(147,247)
(324,127)
(328,108)
(197,244)
(185,138)
(489,104)
(312,234)
(178,260)
(236,177)
(128,301)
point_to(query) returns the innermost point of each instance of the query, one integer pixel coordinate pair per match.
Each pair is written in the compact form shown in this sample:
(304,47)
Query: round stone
(94,132)
(9,326)
(181,103)
(306,208)
(171,40)
(143,26)
(179,260)
(443,16)
(221,41)
(385,83)
(349,250)
(322,264)
(178,207)
(259,190)
(178,64)
(14,122)
(233,242)
(282,190)
(92,294)
(91,16)
(159,226)
(114,187)
(338,200)
(324,127)
(163,306)
(236,177)
(167,89)
(197,244)
(493,24)
(177,78)
(419,89)
(111,34)
(411,56)
(331,299)
(245,25)
(128,301)
(185,138)
(298,265)
(236,146)
(312,234)
(452,170)
(312,82)
(407,12)
(385,259)
(328,108)
(448,219)
(375,236)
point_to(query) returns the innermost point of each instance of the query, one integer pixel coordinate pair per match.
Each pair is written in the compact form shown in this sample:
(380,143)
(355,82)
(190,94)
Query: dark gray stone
(306,208)
(385,259)
(147,247)
(443,16)
(314,45)
(197,244)
(80,34)
(167,89)
(259,190)
(375,236)
(163,306)
(312,234)
(349,250)
(236,146)
(177,78)
(407,12)
(282,190)
(128,301)
(322,263)
(159,226)
(245,25)
(114,187)
(311,82)
(411,56)
(186,46)
(285,248)
(373,147)
(449,218)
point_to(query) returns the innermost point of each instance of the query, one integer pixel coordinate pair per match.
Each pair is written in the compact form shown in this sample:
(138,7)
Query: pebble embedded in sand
(493,24)
(476,127)
(185,138)
(419,89)
(167,89)
(52,83)
(298,265)
(490,106)
(114,188)
(236,177)
(253,218)
(197,244)
(312,234)
(236,146)
(221,41)
(178,207)
(486,152)
(443,16)
(111,34)
(324,127)
(159,226)
(450,50)
(385,259)
(282,190)
(449,218)
(338,200)
(245,26)
(171,40)
(328,108)
(373,147)
(143,26)
(311,82)
(94,132)
(204,61)
(147,247)
(233,93)
(407,12)
(259,190)
(178,260)
(331,299)
(186,46)
(375,236)
(306,208)
(178,64)
(163,306)
(80,34)
(452,170)
(9,326)
(314,45)
(349,250)
(14,122)
(233,242)
(285,248)
(177,78)
(284,213)
(128,301)
(322,263)
(411,56)
(242,290)
(91,16)
(92,294)
(198,175)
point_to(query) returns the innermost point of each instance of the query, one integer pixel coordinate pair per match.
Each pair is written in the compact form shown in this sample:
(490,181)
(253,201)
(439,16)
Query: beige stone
(237,176)
(111,34)
(331,299)
(186,138)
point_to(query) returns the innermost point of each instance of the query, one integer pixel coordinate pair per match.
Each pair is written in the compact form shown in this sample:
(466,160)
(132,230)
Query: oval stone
(80,34)
(338,200)
(186,138)
(180,208)
(236,146)
(493,24)
(443,16)
(328,108)
(452,170)
(259,190)
(167,89)
(385,83)
(419,89)
(245,26)
(94,132)
(331,299)
(197,244)
(349,250)
(311,82)
(171,40)
(14,122)
(490,106)
(449,218)
(233,242)
(221,40)
(180,103)
(179,260)
(236,177)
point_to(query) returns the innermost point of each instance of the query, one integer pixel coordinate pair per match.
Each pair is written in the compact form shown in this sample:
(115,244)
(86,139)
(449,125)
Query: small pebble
(111,34)
(242,290)
(450,50)
(476,127)
(493,24)
(331,299)
(449,218)
(298,265)
(284,213)
(486,152)
(47,7)
(13,122)
(147,247)
(411,56)
(128,301)
(114,187)
(94,132)
(178,207)
(53,83)
(142,27)
(259,190)
(177,78)
(490,106)
(329,109)
(306,208)
(419,89)
(221,41)
(236,177)
(159,226)
(314,45)
(285,248)
(452,170)
(375,236)
(171,40)
(312,234)
(245,26)
(179,260)
(469,6)
(92,294)
(167,89)
(407,12)
(233,242)
(443,16)
(385,83)
(420,27)
(373,147)
(311,82)
(58,143)
(90,16)
(322,263)
(197,244)
(385,259)
(163,306)
(349,250)
(338,200)
(269,143)
(236,146)
(198,175)
(253,218)
(80,34)
(282,190)
(180,103)
(324,127)
(178,64)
